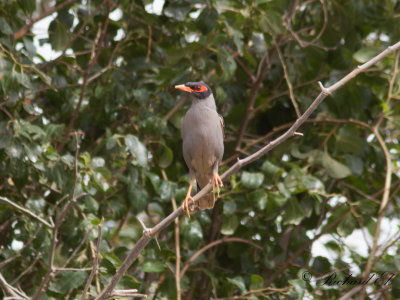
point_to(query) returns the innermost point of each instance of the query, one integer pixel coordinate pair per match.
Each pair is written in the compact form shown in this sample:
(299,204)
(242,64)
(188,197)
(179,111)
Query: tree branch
(26,211)
(150,233)
(95,260)
(20,33)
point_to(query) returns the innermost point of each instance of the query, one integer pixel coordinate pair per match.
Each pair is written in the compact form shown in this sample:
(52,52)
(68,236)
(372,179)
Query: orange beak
(184,88)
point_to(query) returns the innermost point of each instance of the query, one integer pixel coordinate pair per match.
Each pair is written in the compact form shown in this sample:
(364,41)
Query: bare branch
(148,235)
(177,246)
(10,290)
(289,84)
(26,211)
(95,260)
(20,33)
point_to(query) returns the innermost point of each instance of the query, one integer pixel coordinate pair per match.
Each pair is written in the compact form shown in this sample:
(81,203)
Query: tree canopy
(90,148)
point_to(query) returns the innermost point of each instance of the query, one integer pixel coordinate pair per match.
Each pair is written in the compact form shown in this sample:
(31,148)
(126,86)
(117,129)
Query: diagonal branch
(26,211)
(150,233)
(20,33)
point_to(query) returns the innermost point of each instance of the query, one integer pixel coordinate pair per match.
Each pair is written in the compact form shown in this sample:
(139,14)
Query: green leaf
(269,168)
(166,190)
(334,168)
(271,22)
(293,212)
(137,196)
(207,19)
(229,225)
(193,233)
(278,198)
(257,282)
(252,180)
(229,207)
(153,266)
(259,198)
(59,35)
(239,282)
(227,63)
(347,226)
(166,157)
(299,286)
(68,280)
(177,10)
(355,163)
(137,149)
(348,141)
(5,27)
(237,37)
(365,54)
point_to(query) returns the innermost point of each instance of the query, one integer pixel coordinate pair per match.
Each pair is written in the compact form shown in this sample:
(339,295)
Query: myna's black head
(199,90)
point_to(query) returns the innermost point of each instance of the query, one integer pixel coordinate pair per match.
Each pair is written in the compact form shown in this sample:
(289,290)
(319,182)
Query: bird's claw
(216,183)
(185,205)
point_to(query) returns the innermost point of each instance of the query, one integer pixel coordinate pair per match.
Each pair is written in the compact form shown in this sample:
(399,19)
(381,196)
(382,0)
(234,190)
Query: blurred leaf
(152,266)
(59,35)
(257,282)
(207,20)
(348,141)
(229,207)
(365,54)
(137,149)
(68,280)
(334,168)
(229,225)
(293,212)
(347,226)
(239,282)
(166,157)
(269,168)
(252,180)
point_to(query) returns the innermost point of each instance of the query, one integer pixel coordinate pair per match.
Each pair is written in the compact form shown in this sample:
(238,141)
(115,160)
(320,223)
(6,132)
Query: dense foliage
(91,130)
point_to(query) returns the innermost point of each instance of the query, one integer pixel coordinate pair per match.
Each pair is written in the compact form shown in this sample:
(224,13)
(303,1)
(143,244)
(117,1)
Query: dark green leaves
(207,20)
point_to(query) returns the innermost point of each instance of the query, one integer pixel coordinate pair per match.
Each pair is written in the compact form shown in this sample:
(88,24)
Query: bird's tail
(207,201)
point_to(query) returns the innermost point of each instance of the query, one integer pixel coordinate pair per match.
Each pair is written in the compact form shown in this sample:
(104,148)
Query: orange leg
(216,183)
(185,204)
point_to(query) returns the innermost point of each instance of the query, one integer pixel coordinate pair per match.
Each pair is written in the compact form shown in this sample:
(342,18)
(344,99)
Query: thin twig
(95,260)
(95,55)
(26,211)
(50,274)
(289,84)
(148,45)
(213,244)
(20,33)
(177,246)
(148,235)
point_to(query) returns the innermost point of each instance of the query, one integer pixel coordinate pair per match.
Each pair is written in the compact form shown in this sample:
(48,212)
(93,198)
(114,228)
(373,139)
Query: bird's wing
(221,120)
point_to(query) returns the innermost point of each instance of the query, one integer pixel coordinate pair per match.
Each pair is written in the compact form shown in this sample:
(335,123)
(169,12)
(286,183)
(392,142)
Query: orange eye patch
(200,88)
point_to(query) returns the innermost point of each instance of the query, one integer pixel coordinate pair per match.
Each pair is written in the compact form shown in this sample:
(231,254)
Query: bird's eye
(196,88)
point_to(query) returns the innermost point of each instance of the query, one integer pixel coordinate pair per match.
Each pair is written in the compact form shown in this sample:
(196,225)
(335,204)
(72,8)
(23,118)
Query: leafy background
(313,204)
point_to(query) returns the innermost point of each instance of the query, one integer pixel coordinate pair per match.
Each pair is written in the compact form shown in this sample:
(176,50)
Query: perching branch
(150,233)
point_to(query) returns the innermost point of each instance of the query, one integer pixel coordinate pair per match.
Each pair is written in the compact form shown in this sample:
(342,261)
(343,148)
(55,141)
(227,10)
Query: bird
(202,142)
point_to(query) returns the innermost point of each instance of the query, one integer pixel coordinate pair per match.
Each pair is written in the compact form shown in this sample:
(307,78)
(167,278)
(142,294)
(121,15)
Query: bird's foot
(216,183)
(185,204)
